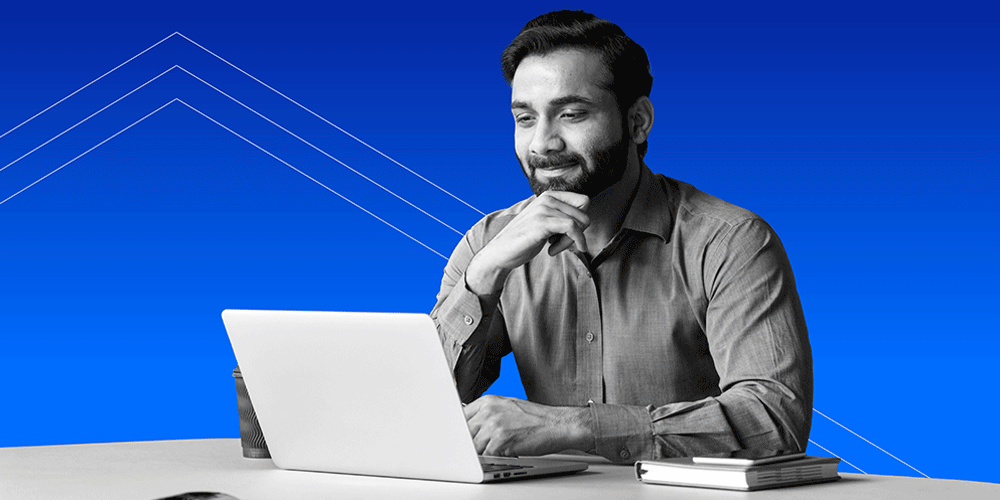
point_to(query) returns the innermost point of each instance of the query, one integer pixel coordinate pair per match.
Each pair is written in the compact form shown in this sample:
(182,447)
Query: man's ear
(640,120)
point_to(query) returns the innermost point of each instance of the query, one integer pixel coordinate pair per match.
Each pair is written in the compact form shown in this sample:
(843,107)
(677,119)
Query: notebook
(362,393)
(733,474)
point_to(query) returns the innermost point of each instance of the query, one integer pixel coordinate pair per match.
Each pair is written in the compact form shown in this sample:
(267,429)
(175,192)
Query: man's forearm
(749,415)
(758,415)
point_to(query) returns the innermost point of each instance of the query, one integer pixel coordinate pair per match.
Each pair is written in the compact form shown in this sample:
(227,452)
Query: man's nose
(546,139)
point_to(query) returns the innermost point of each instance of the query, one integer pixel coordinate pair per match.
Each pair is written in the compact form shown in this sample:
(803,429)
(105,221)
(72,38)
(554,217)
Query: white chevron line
(116,134)
(87,151)
(89,84)
(310,178)
(404,200)
(328,122)
(85,119)
(289,132)
(352,136)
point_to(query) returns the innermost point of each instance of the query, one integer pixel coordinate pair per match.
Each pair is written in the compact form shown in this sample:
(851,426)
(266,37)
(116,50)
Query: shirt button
(590,337)
(624,454)
(468,319)
(589,275)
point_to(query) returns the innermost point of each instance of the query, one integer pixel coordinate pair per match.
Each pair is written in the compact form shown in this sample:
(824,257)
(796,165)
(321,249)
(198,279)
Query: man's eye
(574,115)
(524,120)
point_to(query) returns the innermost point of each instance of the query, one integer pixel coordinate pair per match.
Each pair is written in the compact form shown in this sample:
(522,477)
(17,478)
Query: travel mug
(251,437)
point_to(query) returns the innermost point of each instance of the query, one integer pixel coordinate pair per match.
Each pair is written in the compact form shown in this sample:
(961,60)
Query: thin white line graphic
(116,134)
(87,151)
(310,178)
(328,122)
(253,111)
(289,132)
(836,455)
(89,84)
(871,443)
(85,119)
(237,68)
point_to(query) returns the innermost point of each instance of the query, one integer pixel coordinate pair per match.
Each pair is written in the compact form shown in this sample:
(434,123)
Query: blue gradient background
(866,134)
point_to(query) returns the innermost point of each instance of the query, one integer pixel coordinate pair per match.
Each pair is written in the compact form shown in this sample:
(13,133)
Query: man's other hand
(509,427)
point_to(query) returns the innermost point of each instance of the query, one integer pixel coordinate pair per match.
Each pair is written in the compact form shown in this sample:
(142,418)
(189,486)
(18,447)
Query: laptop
(363,393)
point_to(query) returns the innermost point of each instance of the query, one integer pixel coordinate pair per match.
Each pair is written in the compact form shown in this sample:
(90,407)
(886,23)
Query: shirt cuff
(623,434)
(464,314)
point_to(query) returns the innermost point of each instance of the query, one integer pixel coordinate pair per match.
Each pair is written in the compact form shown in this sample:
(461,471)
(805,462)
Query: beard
(607,166)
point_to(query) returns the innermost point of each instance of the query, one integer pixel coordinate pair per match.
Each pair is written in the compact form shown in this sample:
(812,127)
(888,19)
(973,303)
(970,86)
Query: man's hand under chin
(509,427)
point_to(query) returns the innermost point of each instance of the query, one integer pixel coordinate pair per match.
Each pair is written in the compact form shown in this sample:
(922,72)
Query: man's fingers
(490,449)
(470,409)
(580,201)
(525,236)
(475,429)
(565,241)
(558,243)
(566,219)
(566,235)
(480,440)
(574,211)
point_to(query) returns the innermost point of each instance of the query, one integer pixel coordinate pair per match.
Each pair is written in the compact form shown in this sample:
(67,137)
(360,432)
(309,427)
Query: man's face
(568,133)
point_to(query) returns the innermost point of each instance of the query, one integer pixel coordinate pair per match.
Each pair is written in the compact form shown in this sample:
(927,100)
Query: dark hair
(626,60)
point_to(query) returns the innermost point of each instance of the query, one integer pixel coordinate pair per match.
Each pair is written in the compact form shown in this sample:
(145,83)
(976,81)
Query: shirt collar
(651,210)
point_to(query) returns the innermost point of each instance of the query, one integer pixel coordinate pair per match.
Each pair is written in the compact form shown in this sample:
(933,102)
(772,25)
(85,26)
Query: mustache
(536,162)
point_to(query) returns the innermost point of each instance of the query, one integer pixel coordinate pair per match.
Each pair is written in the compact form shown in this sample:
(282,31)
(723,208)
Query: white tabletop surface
(156,469)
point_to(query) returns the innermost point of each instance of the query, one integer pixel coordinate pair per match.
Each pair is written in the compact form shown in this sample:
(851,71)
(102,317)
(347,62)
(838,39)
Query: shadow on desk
(200,495)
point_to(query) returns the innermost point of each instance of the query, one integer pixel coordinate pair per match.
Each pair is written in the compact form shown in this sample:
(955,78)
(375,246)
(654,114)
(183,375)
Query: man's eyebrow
(570,99)
(520,105)
(557,102)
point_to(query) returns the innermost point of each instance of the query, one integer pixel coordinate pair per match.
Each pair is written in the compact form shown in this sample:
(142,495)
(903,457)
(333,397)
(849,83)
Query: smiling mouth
(558,168)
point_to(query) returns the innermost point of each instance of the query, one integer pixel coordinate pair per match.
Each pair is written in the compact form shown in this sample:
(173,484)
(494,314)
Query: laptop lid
(355,393)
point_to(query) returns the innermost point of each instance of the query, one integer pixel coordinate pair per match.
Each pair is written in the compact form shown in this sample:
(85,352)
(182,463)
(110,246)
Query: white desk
(148,470)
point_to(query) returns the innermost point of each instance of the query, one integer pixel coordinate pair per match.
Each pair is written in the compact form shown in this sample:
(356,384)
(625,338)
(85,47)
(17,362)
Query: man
(647,319)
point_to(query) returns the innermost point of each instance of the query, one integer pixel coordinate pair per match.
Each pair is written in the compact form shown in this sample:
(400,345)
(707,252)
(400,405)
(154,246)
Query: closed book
(685,472)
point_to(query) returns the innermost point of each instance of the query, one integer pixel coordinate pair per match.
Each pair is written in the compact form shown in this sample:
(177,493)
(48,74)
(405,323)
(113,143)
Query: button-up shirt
(685,334)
